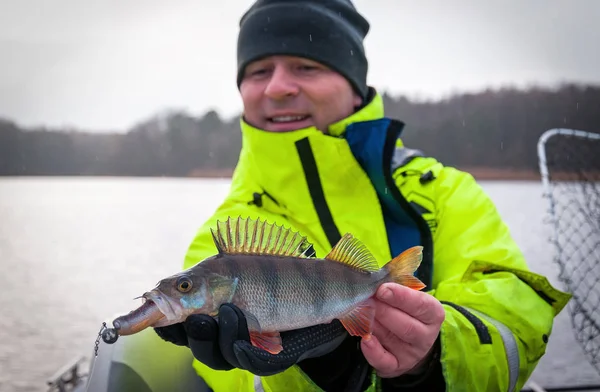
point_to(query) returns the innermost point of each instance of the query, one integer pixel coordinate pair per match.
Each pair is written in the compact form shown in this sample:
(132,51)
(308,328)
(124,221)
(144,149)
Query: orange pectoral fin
(359,322)
(268,341)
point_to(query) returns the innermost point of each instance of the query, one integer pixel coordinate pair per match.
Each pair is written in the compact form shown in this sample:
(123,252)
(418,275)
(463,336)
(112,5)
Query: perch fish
(269,272)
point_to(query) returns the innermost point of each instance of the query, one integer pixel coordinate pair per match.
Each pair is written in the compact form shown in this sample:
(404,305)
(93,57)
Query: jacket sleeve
(499,314)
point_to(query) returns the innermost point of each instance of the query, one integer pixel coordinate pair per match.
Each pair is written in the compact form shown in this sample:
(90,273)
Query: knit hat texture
(330,32)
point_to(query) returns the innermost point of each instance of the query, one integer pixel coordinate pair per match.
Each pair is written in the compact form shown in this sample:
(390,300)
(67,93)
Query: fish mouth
(162,303)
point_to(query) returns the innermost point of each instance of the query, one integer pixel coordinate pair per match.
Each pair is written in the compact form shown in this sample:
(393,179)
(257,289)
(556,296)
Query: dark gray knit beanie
(330,32)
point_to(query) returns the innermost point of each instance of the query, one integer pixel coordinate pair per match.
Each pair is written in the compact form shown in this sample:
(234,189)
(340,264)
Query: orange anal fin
(411,281)
(268,341)
(359,322)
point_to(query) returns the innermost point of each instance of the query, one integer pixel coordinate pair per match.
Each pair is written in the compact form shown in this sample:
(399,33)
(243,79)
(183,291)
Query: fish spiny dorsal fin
(218,239)
(258,237)
(352,252)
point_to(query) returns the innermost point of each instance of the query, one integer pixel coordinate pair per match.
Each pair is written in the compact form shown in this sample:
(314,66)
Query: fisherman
(320,157)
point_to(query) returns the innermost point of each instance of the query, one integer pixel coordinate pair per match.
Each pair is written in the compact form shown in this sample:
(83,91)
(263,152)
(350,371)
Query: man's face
(284,93)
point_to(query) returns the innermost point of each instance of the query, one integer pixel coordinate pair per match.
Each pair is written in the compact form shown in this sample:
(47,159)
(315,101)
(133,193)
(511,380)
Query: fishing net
(570,170)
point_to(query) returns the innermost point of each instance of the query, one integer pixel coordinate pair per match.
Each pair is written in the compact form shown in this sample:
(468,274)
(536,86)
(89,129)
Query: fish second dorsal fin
(258,237)
(352,252)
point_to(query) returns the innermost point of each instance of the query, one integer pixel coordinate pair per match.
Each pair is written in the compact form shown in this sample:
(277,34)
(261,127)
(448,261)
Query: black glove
(226,344)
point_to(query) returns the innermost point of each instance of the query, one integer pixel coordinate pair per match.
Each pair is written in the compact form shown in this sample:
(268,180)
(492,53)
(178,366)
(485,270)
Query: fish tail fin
(402,267)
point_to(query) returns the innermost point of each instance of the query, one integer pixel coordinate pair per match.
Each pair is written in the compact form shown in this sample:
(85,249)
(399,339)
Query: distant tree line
(493,129)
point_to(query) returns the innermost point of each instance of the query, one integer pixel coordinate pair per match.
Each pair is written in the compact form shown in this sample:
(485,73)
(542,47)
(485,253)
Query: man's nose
(281,84)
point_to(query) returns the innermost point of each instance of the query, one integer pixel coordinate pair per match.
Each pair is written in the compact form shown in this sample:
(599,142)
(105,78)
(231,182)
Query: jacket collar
(274,172)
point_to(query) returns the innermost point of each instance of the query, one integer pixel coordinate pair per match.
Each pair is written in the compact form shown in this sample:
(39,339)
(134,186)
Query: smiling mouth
(288,123)
(287,119)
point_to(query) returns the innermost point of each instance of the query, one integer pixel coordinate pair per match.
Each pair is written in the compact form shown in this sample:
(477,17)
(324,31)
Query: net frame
(574,214)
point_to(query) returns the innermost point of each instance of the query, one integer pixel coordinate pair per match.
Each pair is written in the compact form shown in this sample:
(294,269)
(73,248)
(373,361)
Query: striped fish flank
(270,273)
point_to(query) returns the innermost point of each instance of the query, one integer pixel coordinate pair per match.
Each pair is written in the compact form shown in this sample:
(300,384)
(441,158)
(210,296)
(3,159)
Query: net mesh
(570,169)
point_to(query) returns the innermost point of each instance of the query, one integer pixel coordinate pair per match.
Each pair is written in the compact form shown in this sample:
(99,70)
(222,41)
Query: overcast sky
(106,64)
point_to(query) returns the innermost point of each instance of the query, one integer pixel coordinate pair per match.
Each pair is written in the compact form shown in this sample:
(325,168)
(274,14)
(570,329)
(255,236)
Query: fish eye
(184,284)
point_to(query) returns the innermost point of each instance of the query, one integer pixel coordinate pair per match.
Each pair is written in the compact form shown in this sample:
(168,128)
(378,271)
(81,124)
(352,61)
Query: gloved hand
(225,344)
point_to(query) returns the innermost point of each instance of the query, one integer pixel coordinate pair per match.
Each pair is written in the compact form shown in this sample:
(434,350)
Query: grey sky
(106,64)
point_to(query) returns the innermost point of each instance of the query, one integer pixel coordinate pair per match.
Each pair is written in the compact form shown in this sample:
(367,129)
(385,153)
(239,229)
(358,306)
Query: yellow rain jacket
(361,179)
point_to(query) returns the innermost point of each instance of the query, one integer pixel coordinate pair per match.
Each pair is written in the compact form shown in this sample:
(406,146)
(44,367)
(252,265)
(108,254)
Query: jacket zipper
(425,271)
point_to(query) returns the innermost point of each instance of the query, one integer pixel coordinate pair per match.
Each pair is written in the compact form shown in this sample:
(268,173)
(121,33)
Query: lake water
(72,249)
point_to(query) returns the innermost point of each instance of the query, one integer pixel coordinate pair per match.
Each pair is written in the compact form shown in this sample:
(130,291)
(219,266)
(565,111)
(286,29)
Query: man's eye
(256,72)
(307,67)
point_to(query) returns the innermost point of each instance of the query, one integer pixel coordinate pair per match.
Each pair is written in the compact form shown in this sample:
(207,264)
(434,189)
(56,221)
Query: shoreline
(479,173)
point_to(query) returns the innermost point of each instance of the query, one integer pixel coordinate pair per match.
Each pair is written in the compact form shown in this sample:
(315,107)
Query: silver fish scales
(269,272)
